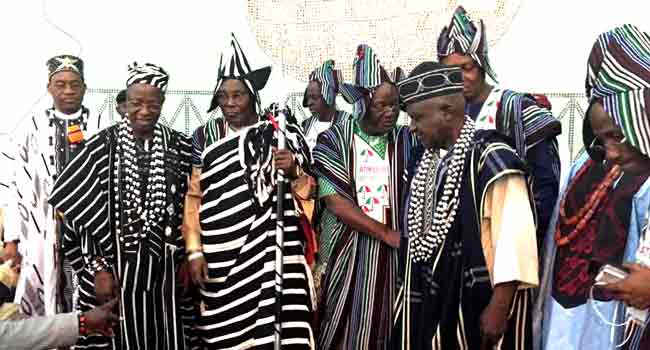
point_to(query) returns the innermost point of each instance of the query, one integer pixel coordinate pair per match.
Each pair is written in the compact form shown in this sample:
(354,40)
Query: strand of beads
(588,210)
(418,199)
(423,245)
(154,198)
(156,193)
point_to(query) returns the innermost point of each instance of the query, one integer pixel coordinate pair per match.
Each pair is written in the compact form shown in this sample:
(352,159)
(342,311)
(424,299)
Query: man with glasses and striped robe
(606,194)
(231,236)
(360,164)
(124,194)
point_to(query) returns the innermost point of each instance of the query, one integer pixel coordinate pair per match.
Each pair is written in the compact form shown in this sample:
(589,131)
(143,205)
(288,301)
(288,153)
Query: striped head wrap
(430,79)
(618,75)
(330,81)
(369,74)
(148,74)
(233,64)
(63,63)
(465,37)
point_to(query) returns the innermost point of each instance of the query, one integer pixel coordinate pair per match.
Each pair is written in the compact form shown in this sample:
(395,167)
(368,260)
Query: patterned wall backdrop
(184,110)
(299,35)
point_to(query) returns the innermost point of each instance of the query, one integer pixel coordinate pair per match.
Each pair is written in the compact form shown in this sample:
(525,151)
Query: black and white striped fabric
(233,64)
(238,237)
(148,74)
(87,192)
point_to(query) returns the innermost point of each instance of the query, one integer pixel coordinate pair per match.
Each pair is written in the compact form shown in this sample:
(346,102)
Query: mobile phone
(610,274)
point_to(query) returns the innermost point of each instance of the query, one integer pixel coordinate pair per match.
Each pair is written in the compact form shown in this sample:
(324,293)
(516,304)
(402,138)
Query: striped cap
(233,64)
(368,71)
(618,75)
(467,38)
(330,80)
(148,74)
(368,75)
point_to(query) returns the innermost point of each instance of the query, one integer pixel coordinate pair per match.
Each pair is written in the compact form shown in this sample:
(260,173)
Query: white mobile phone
(610,274)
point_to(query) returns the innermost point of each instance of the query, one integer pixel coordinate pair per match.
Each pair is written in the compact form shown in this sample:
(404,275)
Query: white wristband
(194,256)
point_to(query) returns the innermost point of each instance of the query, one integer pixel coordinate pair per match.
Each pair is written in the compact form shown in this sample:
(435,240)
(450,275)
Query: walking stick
(279,233)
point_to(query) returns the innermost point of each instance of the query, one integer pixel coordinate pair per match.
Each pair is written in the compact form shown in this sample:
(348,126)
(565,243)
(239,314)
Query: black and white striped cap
(148,74)
(233,64)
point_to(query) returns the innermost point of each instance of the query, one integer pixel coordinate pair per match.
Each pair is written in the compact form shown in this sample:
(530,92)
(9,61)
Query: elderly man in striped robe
(124,195)
(471,256)
(230,228)
(360,164)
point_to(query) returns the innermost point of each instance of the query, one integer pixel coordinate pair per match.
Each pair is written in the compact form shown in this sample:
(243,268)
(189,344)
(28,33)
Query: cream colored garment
(191,225)
(508,233)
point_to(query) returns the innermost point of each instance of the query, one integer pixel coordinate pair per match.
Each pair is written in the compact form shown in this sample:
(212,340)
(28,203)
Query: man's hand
(105,287)
(184,276)
(101,319)
(10,252)
(635,289)
(284,160)
(493,323)
(199,271)
(494,318)
(392,237)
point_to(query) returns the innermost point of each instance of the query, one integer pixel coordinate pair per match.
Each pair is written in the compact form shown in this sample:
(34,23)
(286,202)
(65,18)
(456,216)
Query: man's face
(315,100)
(473,76)
(121,109)
(235,102)
(67,90)
(430,120)
(144,104)
(610,138)
(384,108)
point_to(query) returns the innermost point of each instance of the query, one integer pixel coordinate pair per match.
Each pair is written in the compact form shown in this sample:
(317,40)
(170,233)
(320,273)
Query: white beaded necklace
(427,236)
(155,197)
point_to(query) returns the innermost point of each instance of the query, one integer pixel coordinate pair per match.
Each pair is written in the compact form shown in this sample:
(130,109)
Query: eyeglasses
(597,150)
(431,81)
(137,105)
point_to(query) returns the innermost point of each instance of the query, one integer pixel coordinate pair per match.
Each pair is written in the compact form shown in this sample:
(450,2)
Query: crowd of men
(454,232)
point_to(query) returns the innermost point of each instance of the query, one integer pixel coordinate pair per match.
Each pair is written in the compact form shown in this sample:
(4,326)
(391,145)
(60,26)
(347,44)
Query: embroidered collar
(61,115)
(487,117)
(377,143)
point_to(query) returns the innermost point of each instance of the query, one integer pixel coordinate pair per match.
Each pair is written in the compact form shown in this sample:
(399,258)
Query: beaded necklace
(585,213)
(425,237)
(149,212)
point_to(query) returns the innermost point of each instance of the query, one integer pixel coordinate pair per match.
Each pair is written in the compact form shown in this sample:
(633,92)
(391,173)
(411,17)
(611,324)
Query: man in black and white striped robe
(238,224)
(124,195)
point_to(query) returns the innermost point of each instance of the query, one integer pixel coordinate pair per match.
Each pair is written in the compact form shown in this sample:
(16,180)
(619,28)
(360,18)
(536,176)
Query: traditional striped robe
(40,151)
(533,130)
(442,300)
(238,236)
(338,117)
(360,282)
(86,193)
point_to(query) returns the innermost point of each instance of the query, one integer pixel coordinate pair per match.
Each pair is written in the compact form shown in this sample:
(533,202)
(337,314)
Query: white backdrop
(544,51)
